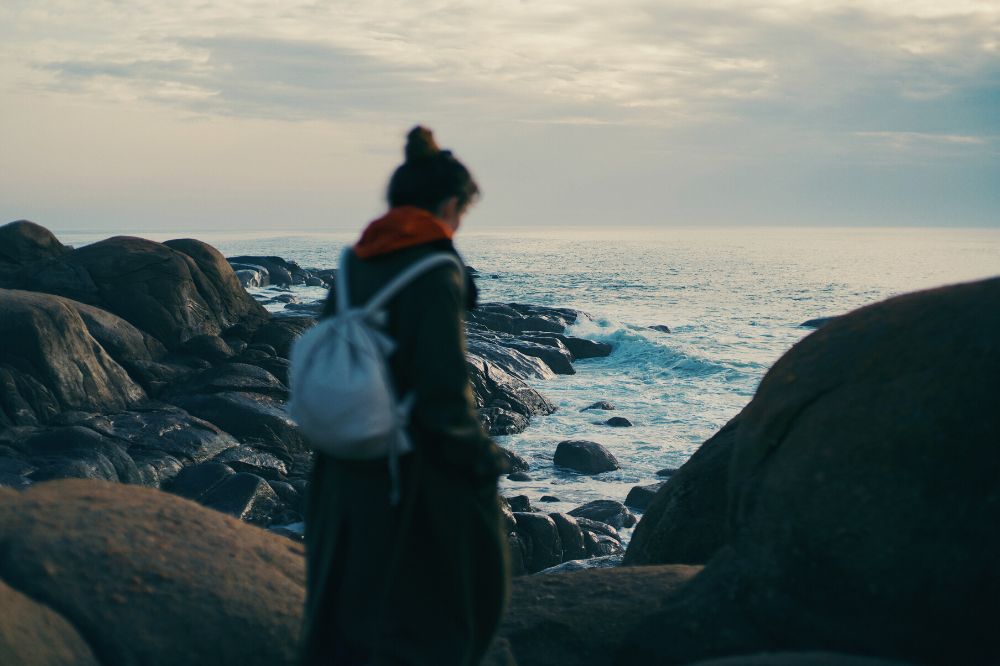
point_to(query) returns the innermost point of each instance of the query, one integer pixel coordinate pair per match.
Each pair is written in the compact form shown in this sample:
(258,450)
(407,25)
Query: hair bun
(420,144)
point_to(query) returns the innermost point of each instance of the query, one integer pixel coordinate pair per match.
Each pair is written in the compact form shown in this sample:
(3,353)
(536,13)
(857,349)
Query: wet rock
(666,471)
(50,362)
(578,348)
(121,340)
(618,422)
(274,365)
(518,554)
(549,498)
(600,562)
(252,277)
(77,452)
(541,535)
(239,377)
(584,457)
(518,476)
(603,404)
(501,422)
(685,523)
(491,384)
(640,497)
(599,528)
(508,515)
(253,419)
(195,481)
(519,503)
(244,496)
(611,512)
(149,578)
(281,271)
(570,536)
(601,545)
(662,328)
(246,459)
(557,358)
(510,360)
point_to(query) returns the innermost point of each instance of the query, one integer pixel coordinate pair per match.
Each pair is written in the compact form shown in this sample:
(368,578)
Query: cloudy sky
(146,115)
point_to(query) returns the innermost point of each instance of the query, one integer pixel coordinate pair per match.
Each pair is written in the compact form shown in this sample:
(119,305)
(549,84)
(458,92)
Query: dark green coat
(423,583)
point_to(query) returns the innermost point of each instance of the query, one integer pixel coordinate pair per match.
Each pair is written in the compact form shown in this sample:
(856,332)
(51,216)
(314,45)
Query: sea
(733,298)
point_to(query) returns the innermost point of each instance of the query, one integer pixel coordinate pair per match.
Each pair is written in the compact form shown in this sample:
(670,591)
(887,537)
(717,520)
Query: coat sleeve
(432,354)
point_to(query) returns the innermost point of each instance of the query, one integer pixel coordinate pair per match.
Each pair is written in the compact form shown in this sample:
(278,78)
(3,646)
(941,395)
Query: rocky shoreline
(845,517)
(150,364)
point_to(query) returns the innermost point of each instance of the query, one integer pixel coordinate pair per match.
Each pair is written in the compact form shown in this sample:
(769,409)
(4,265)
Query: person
(423,582)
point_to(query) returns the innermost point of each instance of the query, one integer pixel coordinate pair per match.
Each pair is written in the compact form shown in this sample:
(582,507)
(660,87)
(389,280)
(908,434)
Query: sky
(192,115)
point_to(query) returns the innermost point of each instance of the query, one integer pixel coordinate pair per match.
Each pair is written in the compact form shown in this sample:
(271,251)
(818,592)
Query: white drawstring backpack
(342,397)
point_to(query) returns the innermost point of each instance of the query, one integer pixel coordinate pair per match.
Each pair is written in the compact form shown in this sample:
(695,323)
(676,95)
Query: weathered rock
(32,633)
(500,422)
(149,578)
(602,404)
(77,452)
(244,496)
(640,497)
(666,471)
(618,422)
(519,503)
(557,358)
(121,340)
(246,459)
(161,290)
(250,417)
(239,377)
(661,328)
(508,515)
(541,536)
(584,457)
(209,347)
(23,242)
(863,495)
(611,512)
(281,271)
(686,520)
(518,476)
(602,562)
(51,363)
(582,618)
(491,385)
(512,361)
(252,277)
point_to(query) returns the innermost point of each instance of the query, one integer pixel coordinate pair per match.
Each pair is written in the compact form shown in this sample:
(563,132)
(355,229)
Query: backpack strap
(379,300)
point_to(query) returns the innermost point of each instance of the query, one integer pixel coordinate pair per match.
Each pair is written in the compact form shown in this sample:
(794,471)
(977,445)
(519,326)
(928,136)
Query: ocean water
(733,298)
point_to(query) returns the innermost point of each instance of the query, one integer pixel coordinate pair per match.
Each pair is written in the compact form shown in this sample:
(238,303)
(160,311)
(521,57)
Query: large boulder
(863,496)
(161,290)
(584,457)
(23,242)
(685,523)
(492,386)
(49,362)
(146,577)
(32,633)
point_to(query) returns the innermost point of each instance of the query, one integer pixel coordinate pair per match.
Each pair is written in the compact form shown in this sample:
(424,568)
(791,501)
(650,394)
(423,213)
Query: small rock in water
(585,457)
(549,498)
(518,476)
(618,422)
(519,503)
(603,404)
(667,471)
(816,323)
(611,512)
(662,328)
(640,496)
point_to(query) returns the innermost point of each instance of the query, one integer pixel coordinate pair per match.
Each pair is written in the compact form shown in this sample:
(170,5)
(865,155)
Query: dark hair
(430,175)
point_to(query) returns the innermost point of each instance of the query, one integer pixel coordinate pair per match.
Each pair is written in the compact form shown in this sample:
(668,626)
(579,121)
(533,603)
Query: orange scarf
(401,227)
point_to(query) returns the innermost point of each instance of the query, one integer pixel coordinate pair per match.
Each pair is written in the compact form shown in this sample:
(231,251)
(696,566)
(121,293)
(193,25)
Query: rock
(508,515)
(195,481)
(603,404)
(239,377)
(77,452)
(33,633)
(501,422)
(281,333)
(50,362)
(518,476)
(512,361)
(281,271)
(686,520)
(276,366)
(558,359)
(491,385)
(602,562)
(519,503)
(581,348)
(246,459)
(662,328)
(541,535)
(816,323)
(666,471)
(252,418)
(601,545)
(515,463)
(244,496)
(862,496)
(584,457)
(25,242)
(640,496)
(518,554)
(598,527)
(250,277)
(149,578)
(212,348)
(570,536)
(801,659)
(583,617)
(549,498)
(121,340)
(613,513)
(173,294)
(618,422)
